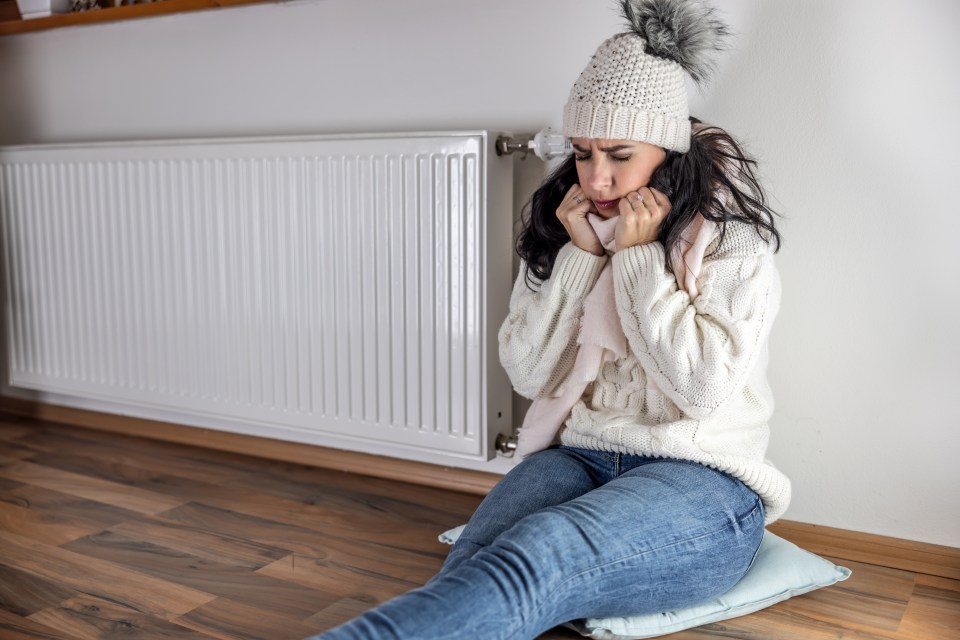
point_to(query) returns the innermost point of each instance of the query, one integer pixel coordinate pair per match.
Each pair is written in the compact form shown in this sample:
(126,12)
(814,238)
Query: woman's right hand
(572,214)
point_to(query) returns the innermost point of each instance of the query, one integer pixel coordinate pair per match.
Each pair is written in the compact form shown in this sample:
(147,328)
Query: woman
(638,324)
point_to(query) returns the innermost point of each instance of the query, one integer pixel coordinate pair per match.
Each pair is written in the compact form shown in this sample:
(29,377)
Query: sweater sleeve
(538,339)
(699,352)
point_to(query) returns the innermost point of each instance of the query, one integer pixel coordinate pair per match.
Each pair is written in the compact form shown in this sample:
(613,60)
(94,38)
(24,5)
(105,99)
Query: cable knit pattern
(693,385)
(538,340)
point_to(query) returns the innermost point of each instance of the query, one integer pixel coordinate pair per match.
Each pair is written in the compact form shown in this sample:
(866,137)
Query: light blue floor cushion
(780,571)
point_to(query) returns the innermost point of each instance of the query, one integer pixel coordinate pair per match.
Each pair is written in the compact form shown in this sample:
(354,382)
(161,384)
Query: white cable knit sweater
(693,385)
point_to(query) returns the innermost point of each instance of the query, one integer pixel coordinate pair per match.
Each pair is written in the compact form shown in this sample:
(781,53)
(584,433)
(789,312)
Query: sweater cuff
(576,270)
(640,261)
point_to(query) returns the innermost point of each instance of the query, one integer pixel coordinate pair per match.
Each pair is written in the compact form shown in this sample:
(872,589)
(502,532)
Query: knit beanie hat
(634,87)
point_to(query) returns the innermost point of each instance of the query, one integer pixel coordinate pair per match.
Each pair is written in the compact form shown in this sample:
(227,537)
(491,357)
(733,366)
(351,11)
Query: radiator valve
(506,445)
(545,144)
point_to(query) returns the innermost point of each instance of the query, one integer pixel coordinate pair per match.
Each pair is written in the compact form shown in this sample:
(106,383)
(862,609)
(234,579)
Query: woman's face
(610,169)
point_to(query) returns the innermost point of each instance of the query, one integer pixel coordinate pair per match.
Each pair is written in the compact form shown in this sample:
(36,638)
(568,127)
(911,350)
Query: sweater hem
(758,477)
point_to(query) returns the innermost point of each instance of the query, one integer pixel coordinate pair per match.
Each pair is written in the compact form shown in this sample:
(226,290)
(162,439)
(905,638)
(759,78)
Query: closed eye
(587,156)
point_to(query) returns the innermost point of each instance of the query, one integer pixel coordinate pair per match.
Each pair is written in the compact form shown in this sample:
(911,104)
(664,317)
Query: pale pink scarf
(601,337)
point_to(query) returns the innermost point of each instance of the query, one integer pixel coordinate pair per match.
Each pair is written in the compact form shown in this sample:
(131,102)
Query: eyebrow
(614,149)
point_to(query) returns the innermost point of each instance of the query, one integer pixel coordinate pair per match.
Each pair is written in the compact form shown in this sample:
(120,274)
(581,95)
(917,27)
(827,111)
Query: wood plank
(128,455)
(14,627)
(934,610)
(74,484)
(230,620)
(7,484)
(12,427)
(301,483)
(341,611)
(175,567)
(11,450)
(88,618)
(99,578)
(292,525)
(291,537)
(872,600)
(943,589)
(775,623)
(356,504)
(104,465)
(23,593)
(210,545)
(358,571)
(315,542)
(53,517)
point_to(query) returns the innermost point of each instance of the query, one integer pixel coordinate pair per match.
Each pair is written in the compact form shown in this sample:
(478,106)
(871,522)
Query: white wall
(850,105)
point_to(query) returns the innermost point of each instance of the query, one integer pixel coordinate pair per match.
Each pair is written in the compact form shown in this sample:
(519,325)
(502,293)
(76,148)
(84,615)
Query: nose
(599,175)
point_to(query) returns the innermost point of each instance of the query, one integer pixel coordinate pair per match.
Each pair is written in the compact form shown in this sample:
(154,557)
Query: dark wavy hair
(694,182)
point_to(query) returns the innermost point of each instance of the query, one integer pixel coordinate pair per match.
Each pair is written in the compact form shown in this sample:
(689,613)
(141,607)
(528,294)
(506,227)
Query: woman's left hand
(641,214)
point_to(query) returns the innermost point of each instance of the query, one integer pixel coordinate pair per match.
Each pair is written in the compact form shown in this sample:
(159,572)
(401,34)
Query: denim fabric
(572,533)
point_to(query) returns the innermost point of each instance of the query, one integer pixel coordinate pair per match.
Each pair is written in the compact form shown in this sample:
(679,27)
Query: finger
(574,193)
(628,204)
(630,200)
(583,205)
(574,196)
(658,196)
(656,203)
(659,201)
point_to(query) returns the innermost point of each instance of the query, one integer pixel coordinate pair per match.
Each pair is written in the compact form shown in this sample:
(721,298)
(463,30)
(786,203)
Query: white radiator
(338,290)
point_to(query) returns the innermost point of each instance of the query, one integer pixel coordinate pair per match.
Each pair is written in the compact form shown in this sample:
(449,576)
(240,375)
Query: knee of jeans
(509,568)
(461,551)
(545,539)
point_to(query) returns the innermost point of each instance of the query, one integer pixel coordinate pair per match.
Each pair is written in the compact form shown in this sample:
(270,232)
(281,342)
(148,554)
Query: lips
(606,204)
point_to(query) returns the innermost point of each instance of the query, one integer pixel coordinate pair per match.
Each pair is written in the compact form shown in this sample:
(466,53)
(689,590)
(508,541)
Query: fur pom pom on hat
(634,86)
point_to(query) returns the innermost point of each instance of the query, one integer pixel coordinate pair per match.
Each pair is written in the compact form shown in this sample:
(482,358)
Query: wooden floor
(108,536)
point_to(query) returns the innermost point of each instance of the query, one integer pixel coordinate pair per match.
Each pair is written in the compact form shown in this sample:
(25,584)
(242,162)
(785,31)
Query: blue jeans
(571,533)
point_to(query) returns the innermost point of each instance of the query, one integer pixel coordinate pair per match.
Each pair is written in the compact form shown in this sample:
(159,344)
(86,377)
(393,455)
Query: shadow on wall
(17,126)
(17,117)
(528,174)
